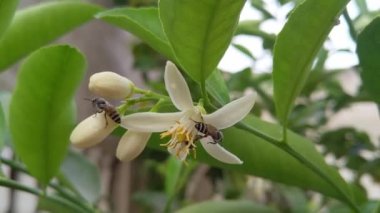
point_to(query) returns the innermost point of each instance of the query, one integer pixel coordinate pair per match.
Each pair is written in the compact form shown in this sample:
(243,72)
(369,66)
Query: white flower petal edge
(219,153)
(231,113)
(131,145)
(110,85)
(150,121)
(177,87)
(179,151)
(91,131)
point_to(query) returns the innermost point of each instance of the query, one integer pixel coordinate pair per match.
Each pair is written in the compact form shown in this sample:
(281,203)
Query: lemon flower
(180,126)
(94,129)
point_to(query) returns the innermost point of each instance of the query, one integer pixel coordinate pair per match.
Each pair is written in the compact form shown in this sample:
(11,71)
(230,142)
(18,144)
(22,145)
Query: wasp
(101,105)
(209,130)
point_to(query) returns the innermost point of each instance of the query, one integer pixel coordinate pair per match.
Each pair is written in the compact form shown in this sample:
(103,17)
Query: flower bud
(92,130)
(131,145)
(110,85)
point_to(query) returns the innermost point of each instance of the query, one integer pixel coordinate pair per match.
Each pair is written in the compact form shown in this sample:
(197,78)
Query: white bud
(110,85)
(131,145)
(92,131)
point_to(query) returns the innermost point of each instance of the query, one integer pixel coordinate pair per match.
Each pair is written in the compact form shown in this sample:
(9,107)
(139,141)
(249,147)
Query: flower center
(183,135)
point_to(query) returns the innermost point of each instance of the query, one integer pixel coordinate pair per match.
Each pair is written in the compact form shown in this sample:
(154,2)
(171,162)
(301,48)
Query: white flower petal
(110,85)
(91,131)
(177,87)
(231,113)
(131,145)
(178,151)
(218,152)
(150,121)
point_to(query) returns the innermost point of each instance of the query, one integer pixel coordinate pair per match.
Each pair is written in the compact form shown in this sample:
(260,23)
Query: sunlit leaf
(7,10)
(143,23)
(41,115)
(297,45)
(240,206)
(38,25)
(82,175)
(369,52)
(199,32)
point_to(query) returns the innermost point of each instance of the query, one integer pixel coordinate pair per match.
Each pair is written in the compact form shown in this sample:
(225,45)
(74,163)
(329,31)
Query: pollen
(182,139)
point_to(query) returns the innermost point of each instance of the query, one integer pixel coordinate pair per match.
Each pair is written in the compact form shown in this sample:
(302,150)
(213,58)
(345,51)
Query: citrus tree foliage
(37,117)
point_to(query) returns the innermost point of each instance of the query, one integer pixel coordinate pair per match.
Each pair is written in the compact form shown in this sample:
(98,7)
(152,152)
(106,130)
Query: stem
(284,135)
(285,146)
(350,24)
(12,193)
(150,93)
(15,185)
(74,200)
(315,169)
(204,93)
(69,197)
(265,97)
(258,133)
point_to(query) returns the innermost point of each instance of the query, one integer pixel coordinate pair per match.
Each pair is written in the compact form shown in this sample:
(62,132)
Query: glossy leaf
(143,23)
(225,206)
(7,10)
(82,175)
(41,115)
(369,52)
(296,47)
(217,87)
(36,26)
(199,32)
(271,161)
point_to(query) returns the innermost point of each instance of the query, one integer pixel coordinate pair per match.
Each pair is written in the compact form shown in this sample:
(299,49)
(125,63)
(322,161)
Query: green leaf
(2,127)
(7,10)
(369,53)
(252,27)
(143,23)
(199,32)
(53,205)
(173,171)
(5,99)
(82,176)
(245,51)
(217,87)
(36,26)
(276,162)
(372,206)
(41,110)
(296,47)
(225,206)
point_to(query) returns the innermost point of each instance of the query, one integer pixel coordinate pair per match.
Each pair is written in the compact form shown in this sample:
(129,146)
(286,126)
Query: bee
(101,105)
(209,130)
